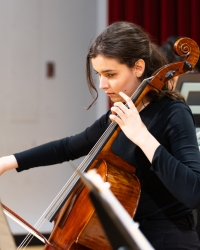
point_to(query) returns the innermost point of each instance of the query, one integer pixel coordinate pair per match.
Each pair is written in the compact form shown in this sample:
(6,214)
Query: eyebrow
(107,70)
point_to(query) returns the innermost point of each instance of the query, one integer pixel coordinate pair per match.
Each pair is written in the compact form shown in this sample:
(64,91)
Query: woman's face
(115,77)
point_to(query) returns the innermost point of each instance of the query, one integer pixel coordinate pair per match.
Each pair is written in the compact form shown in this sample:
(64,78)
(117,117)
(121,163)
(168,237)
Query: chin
(119,99)
(114,100)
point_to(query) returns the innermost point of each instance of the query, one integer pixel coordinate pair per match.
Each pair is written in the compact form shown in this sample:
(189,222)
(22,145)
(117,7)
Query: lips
(109,94)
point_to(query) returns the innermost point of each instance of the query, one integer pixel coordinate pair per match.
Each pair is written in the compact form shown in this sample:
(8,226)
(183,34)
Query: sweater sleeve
(62,150)
(178,167)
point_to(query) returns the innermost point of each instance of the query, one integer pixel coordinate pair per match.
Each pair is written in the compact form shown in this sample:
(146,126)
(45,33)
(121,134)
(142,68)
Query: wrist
(7,163)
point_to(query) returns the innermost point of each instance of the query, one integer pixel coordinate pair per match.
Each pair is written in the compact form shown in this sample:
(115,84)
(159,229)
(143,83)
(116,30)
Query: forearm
(8,163)
(148,144)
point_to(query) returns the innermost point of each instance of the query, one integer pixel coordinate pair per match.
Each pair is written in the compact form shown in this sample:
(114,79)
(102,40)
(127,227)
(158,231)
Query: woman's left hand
(130,122)
(128,119)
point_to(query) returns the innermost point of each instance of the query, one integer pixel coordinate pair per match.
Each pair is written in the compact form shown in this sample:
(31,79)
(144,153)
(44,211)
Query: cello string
(25,242)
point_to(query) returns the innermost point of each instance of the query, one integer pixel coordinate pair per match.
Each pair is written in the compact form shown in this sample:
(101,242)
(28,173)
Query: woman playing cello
(157,138)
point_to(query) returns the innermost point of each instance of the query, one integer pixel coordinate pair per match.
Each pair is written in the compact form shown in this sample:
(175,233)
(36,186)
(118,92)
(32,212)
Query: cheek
(130,87)
(116,84)
(126,84)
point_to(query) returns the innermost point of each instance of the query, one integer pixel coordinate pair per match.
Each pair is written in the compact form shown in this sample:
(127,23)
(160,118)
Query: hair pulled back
(127,43)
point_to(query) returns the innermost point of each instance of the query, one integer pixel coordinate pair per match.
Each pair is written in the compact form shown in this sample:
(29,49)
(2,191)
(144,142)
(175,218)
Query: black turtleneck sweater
(170,186)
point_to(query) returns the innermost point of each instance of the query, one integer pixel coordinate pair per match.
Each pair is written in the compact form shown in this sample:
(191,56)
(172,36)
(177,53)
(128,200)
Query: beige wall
(35,109)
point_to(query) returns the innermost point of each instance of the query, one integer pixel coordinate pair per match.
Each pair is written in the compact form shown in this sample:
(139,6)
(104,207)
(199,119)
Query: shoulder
(176,112)
(167,110)
(171,106)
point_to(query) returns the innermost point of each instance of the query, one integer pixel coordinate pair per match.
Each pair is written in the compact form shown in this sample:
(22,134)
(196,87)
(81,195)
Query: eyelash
(108,75)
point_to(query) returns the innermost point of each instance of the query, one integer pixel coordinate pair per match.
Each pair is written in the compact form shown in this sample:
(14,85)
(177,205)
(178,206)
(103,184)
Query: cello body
(80,228)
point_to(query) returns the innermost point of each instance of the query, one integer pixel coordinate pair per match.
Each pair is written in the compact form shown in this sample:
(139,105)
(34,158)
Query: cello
(76,225)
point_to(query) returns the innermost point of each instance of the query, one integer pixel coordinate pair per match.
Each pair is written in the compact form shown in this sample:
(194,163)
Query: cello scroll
(186,48)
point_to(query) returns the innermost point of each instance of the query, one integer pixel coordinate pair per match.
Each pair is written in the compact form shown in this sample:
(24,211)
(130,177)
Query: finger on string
(120,106)
(118,111)
(116,119)
(113,108)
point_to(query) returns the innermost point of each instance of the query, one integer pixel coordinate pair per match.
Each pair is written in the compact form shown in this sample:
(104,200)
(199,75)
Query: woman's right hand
(7,163)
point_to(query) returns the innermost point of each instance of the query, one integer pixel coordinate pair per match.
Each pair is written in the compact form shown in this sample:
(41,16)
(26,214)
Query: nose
(103,82)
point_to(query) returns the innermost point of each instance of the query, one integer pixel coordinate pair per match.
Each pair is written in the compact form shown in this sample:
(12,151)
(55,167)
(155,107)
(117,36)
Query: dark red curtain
(160,18)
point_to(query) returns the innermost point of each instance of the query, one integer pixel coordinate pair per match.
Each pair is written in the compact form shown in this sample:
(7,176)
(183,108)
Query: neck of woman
(145,101)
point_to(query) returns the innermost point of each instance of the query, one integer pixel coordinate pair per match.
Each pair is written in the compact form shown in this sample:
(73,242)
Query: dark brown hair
(127,42)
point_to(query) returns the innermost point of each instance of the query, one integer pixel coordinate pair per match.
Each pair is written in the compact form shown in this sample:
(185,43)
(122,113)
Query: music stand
(189,86)
(122,232)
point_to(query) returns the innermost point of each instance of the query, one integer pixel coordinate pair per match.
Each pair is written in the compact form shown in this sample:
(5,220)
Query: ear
(139,68)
